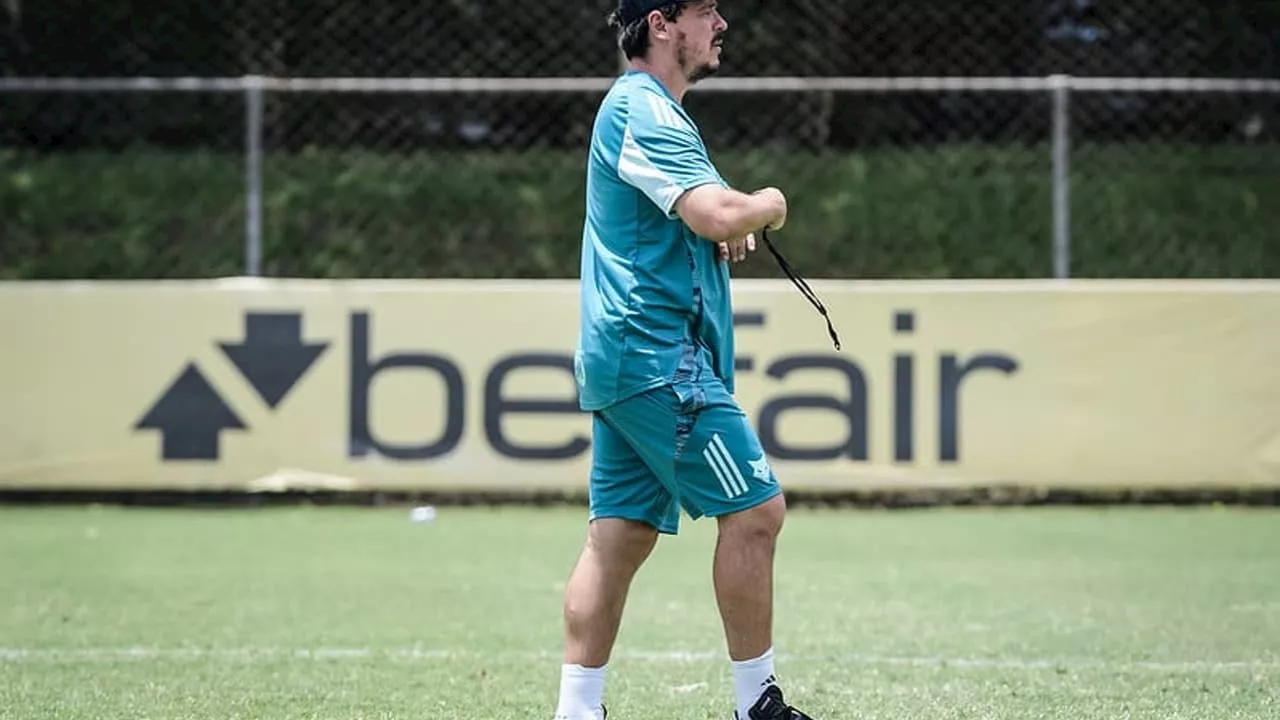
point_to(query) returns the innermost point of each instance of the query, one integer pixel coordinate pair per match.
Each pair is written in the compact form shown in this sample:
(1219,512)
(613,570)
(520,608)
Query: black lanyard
(804,287)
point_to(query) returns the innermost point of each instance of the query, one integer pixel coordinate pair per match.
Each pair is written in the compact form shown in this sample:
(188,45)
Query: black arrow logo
(190,416)
(273,357)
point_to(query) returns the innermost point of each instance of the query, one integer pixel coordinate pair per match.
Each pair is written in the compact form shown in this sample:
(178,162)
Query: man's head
(684,33)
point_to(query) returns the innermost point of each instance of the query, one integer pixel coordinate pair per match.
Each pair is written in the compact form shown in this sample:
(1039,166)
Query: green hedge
(969,211)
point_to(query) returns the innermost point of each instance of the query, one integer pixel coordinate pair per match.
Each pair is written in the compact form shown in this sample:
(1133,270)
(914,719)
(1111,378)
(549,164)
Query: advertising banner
(468,385)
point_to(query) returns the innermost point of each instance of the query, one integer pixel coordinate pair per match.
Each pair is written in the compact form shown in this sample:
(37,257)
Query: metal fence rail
(1060,97)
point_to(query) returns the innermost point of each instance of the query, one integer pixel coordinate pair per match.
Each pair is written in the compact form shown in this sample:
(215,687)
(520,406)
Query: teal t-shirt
(655,306)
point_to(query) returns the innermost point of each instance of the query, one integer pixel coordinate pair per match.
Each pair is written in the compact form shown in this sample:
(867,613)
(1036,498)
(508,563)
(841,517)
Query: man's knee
(762,522)
(622,543)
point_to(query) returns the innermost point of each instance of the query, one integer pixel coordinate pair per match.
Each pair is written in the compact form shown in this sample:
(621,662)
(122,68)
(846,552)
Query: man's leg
(743,575)
(598,587)
(724,474)
(593,604)
(629,507)
(743,578)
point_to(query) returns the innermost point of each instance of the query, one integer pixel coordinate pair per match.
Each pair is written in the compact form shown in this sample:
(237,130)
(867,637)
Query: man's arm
(663,156)
(723,215)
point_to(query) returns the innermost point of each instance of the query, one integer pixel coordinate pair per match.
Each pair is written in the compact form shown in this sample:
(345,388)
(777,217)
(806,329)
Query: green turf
(357,613)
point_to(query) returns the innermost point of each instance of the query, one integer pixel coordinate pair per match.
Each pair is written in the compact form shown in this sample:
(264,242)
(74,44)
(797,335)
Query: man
(654,363)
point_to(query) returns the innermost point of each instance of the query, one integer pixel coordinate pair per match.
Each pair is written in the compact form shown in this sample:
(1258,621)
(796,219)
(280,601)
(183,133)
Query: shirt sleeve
(662,155)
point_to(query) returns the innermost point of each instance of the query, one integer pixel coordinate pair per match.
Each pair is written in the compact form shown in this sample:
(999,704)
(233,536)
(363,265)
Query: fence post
(253,175)
(1060,87)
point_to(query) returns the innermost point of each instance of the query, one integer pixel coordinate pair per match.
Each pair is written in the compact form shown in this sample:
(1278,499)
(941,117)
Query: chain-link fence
(482,176)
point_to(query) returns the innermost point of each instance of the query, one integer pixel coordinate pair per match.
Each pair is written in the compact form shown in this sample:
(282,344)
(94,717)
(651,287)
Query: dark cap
(630,11)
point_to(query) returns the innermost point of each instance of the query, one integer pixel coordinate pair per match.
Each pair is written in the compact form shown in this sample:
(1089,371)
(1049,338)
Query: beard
(696,71)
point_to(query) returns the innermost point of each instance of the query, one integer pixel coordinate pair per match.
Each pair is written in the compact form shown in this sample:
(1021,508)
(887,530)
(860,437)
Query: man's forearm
(720,214)
(741,213)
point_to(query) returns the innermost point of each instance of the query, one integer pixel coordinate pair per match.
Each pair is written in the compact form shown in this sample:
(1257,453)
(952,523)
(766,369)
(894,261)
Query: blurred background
(457,149)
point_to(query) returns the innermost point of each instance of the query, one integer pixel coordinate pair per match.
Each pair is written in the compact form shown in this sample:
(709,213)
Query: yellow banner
(461,385)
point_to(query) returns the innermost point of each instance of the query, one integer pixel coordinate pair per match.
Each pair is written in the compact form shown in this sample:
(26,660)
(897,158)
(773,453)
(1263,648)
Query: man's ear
(659,28)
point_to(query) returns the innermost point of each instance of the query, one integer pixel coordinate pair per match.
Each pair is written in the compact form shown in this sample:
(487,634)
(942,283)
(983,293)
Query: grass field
(358,613)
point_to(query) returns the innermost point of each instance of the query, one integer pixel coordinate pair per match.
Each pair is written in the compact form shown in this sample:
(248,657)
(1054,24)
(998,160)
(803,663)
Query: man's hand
(779,204)
(736,250)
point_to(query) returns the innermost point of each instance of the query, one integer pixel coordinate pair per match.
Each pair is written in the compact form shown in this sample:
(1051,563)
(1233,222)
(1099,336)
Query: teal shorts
(658,452)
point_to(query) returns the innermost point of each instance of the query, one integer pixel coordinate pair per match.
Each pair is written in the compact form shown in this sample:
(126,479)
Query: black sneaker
(771,706)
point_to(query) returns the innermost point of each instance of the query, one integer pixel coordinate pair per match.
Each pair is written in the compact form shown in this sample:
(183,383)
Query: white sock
(750,678)
(581,692)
